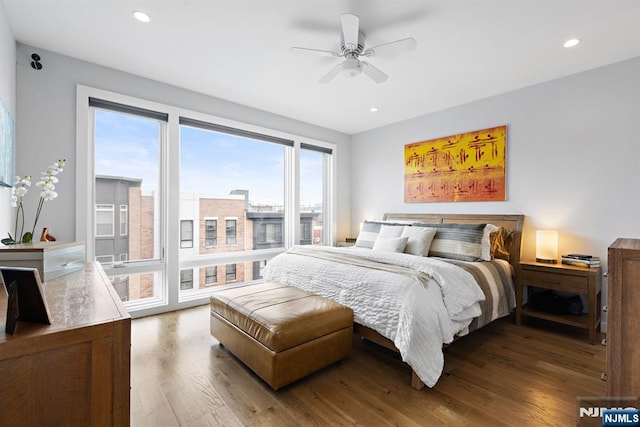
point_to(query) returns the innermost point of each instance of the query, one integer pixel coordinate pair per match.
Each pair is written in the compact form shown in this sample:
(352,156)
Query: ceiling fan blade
(374,73)
(332,74)
(309,51)
(350,24)
(392,48)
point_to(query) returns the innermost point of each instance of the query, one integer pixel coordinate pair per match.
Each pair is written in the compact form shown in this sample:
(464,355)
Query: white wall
(573,158)
(8,95)
(47,128)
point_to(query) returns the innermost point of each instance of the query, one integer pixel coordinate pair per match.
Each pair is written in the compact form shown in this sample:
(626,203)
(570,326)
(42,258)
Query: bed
(406,301)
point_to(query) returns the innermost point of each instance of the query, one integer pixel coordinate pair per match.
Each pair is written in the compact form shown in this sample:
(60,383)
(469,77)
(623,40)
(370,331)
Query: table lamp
(547,246)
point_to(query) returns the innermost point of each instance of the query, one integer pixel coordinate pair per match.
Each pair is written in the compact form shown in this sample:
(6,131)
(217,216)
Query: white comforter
(418,319)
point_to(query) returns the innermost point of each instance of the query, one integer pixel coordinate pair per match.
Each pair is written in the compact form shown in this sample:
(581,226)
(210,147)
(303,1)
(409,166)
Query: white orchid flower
(48,194)
(18,192)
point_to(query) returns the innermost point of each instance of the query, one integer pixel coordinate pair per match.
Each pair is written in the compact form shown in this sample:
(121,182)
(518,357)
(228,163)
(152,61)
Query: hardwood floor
(500,375)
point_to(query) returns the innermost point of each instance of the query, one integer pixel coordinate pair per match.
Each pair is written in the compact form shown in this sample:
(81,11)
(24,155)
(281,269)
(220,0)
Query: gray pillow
(457,241)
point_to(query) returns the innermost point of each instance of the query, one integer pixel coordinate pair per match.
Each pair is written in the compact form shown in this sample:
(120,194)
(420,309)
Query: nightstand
(567,278)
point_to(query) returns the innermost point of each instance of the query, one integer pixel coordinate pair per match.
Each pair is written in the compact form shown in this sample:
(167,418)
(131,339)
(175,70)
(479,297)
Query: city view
(231,199)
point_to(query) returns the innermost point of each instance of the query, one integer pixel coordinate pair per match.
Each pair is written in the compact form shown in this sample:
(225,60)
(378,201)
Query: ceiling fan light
(351,67)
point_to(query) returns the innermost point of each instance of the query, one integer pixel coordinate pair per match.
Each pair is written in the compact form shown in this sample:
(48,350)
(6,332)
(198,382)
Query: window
(124,220)
(186,279)
(210,275)
(305,231)
(186,234)
(230,177)
(314,162)
(231,231)
(210,233)
(134,188)
(104,220)
(270,233)
(105,259)
(230,273)
(231,180)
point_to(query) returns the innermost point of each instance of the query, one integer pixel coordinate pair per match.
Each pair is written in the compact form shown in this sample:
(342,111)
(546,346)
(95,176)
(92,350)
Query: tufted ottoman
(281,332)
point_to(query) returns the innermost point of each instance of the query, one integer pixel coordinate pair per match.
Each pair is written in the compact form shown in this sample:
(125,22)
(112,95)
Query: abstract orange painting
(468,167)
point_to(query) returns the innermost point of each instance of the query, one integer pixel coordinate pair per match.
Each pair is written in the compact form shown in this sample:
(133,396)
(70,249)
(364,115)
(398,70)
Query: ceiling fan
(352,47)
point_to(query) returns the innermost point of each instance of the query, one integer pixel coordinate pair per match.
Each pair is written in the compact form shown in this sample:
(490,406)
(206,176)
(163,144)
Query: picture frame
(466,167)
(7,145)
(26,297)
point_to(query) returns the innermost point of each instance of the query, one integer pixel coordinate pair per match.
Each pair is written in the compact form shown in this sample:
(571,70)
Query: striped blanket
(495,280)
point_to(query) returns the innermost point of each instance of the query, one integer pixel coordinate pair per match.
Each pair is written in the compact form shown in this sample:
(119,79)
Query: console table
(75,371)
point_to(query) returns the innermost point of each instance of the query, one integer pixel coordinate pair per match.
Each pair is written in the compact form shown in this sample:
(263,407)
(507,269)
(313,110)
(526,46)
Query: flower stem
(37,215)
(15,230)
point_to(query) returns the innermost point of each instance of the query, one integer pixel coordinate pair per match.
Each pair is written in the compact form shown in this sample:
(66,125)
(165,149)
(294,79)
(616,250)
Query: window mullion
(292,197)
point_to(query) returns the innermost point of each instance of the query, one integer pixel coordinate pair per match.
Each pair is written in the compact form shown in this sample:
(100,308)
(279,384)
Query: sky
(210,162)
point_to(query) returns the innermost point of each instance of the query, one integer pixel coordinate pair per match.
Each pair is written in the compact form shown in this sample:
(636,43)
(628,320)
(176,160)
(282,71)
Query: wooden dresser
(623,319)
(75,371)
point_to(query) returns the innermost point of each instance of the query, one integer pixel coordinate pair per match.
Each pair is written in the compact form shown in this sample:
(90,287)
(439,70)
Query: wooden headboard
(512,222)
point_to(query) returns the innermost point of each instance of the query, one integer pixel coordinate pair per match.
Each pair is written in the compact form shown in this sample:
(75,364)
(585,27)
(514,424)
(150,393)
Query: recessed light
(373,109)
(141,16)
(571,42)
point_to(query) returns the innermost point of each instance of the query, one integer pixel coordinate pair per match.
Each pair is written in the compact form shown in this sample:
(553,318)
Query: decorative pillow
(457,241)
(390,244)
(501,241)
(388,230)
(486,241)
(420,239)
(369,231)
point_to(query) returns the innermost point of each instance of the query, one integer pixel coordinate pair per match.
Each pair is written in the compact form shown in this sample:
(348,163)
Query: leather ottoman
(281,332)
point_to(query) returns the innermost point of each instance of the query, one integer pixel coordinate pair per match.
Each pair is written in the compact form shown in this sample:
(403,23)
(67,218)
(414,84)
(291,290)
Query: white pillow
(485,253)
(420,239)
(390,244)
(391,230)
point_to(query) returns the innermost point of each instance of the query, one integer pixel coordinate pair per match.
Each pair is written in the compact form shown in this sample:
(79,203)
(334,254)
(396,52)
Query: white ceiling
(238,50)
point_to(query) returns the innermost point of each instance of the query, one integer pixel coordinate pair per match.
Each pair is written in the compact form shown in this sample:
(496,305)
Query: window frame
(106,207)
(234,238)
(206,232)
(183,245)
(227,272)
(124,209)
(111,259)
(165,267)
(182,280)
(214,275)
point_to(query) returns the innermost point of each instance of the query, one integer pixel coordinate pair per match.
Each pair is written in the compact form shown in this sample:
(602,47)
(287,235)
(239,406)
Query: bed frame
(512,222)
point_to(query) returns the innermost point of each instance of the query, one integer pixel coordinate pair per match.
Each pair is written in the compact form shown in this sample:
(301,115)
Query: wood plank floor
(500,375)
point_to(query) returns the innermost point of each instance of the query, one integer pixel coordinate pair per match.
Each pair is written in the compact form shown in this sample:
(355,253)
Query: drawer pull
(71,263)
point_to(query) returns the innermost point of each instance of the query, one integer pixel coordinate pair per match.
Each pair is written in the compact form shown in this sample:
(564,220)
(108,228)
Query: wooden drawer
(557,281)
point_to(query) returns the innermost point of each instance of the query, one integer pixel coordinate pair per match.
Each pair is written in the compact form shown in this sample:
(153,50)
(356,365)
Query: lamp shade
(547,246)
